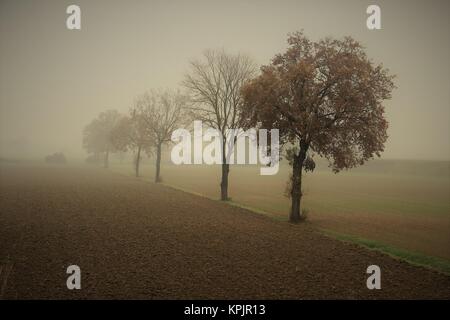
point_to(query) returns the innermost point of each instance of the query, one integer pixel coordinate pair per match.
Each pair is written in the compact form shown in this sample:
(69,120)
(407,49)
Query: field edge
(414,258)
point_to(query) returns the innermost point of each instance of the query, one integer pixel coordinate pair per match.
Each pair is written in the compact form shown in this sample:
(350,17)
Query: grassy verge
(230,202)
(411,257)
(258,211)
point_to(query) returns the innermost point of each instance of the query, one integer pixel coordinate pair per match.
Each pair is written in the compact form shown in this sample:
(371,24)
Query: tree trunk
(158,163)
(224,182)
(138,159)
(225,171)
(296,191)
(106,160)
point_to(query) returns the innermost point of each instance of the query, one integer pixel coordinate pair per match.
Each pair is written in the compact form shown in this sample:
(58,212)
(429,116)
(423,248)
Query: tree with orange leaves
(325,98)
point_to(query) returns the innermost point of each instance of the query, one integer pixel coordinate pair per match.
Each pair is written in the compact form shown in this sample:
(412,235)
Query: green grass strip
(411,257)
(230,202)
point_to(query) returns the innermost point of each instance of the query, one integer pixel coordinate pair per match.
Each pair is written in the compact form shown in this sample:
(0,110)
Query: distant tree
(121,155)
(326,98)
(161,113)
(132,133)
(97,135)
(56,158)
(214,85)
(93,158)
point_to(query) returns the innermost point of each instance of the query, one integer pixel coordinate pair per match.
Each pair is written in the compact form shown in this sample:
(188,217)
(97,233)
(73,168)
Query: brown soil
(425,235)
(134,239)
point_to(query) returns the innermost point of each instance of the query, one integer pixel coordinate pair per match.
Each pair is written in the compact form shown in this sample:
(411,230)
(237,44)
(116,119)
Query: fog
(53,81)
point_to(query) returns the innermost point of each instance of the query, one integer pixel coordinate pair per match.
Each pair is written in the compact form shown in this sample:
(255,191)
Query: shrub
(56,158)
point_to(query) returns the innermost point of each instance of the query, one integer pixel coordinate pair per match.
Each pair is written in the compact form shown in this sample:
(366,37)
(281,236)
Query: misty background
(54,81)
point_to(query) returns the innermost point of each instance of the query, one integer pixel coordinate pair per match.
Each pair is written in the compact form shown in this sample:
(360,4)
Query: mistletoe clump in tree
(325,98)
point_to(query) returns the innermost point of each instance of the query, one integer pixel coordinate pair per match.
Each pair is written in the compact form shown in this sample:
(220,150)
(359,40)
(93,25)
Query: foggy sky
(53,81)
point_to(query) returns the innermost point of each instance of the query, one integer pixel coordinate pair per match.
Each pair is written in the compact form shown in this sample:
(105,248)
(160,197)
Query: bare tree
(97,135)
(214,84)
(162,112)
(132,133)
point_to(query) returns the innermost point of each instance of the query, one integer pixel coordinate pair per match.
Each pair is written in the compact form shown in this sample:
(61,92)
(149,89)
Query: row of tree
(325,98)
(145,129)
